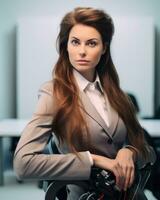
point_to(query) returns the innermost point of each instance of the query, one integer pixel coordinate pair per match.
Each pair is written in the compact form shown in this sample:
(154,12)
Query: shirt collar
(83,82)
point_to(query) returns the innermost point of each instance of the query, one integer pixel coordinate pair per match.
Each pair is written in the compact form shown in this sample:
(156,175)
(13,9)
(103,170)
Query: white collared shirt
(95,93)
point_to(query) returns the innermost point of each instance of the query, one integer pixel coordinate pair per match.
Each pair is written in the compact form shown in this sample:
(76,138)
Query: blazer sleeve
(29,160)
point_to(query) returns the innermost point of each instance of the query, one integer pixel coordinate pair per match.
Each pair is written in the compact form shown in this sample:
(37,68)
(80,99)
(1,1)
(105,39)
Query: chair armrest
(55,186)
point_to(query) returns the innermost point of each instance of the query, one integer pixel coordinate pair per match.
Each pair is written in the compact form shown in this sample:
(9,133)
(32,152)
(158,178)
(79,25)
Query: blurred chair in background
(157,114)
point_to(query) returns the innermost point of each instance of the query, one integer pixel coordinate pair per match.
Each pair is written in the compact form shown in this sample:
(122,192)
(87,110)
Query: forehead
(84,32)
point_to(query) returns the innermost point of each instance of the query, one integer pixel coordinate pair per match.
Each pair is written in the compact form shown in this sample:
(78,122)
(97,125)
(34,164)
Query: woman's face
(85,48)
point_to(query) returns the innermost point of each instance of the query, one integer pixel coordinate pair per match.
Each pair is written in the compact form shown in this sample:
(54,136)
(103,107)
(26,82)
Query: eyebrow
(87,40)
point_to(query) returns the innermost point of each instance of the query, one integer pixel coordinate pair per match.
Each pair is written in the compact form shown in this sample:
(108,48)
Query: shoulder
(47,88)
(46,100)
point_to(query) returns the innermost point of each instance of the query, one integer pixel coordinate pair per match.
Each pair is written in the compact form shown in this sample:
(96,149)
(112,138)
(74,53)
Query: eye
(75,42)
(92,43)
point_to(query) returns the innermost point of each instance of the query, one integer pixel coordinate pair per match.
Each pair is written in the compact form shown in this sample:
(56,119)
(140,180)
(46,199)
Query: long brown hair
(69,124)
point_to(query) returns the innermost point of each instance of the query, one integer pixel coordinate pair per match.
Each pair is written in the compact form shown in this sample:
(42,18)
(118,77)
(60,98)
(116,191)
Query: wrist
(99,161)
(133,150)
(96,160)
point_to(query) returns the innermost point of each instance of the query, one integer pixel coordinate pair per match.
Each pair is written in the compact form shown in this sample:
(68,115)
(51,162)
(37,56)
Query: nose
(82,50)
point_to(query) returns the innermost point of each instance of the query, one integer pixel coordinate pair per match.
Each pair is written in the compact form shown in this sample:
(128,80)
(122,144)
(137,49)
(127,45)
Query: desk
(9,128)
(14,128)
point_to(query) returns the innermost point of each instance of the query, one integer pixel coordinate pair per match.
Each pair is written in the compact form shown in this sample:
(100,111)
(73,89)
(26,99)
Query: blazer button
(110,141)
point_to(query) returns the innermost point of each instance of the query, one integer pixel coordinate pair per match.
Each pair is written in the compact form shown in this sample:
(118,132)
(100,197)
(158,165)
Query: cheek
(71,53)
(96,56)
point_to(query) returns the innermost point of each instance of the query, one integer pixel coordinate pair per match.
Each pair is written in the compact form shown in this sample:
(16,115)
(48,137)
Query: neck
(89,75)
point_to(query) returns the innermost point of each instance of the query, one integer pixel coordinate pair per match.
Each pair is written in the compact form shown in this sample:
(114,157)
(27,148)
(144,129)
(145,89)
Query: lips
(83,61)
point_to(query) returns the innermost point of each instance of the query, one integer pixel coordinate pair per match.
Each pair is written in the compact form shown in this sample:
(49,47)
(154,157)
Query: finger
(123,177)
(119,177)
(129,177)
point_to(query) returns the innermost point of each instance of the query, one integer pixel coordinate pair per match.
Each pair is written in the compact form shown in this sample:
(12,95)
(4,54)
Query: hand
(115,168)
(125,159)
(111,165)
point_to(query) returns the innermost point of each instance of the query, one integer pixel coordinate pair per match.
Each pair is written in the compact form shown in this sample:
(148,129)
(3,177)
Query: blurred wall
(10,11)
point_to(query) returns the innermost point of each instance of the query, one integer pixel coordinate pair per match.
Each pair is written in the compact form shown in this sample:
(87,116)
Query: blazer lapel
(113,116)
(91,111)
(89,108)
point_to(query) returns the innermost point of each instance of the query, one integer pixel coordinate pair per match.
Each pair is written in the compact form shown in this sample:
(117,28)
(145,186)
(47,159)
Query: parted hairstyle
(69,123)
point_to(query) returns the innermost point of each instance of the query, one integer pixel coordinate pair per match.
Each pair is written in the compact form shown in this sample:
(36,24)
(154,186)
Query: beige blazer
(29,160)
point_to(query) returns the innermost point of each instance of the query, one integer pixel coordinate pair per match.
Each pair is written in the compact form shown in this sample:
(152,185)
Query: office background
(11,11)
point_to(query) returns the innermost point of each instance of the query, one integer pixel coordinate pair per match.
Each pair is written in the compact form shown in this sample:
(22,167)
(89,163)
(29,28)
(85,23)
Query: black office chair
(100,180)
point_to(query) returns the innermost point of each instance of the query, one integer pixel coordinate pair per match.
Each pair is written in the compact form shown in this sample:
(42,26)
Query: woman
(91,119)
